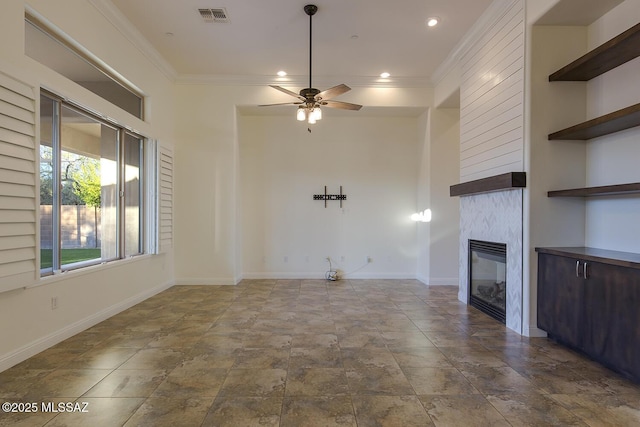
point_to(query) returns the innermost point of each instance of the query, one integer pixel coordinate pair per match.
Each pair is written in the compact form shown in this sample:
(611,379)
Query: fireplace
(488,278)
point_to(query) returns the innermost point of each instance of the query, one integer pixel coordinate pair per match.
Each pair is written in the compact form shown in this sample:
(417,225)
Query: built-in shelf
(606,190)
(620,49)
(613,122)
(505,181)
(615,52)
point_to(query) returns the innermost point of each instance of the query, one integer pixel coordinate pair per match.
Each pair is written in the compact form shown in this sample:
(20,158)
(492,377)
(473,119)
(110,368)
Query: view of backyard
(68,256)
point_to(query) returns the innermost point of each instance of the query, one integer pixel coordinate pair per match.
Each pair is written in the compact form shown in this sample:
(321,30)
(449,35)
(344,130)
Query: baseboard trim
(443,281)
(316,275)
(23,353)
(210,281)
(534,332)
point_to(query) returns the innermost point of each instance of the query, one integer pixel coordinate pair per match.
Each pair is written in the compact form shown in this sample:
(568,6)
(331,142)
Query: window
(91,188)
(49,47)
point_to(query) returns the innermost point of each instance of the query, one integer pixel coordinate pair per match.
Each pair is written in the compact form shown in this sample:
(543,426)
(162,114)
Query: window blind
(18,159)
(165,199)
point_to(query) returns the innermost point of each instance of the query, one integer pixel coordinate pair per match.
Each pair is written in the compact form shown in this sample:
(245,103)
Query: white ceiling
(357,38)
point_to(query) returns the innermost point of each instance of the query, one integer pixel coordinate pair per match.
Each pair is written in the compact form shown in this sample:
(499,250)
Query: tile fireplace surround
(495,217)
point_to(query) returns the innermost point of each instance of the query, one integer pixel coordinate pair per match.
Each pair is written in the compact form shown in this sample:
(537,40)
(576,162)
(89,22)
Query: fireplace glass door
(488,277)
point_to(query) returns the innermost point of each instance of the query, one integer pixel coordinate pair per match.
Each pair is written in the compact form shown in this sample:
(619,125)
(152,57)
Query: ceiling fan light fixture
(301,115)
(385,75)
(281,73)
(310,99)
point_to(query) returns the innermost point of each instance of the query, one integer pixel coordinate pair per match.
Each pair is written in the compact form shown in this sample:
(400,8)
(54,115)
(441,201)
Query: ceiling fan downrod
(310,10)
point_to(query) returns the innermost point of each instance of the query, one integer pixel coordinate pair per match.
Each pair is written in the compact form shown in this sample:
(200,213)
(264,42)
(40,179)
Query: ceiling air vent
(214,15)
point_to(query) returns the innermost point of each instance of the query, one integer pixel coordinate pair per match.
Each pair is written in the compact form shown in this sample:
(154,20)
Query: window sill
(46,280)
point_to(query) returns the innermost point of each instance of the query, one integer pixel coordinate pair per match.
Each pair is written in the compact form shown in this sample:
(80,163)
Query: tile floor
(313,353)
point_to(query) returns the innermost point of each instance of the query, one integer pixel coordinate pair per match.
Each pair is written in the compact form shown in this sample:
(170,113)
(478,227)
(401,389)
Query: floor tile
(315,357)
(320,411)
(254,382)
(383,381)
(420,357)
(68,383)
(534,409)
(456,411)
(128,383)
(369,357)
(154,358)
(184,382)
(498,380)
(170,412)
(310,352)
(438,381)
(602,410)
(316,382)
(267,358)
(244,411)
(405,411)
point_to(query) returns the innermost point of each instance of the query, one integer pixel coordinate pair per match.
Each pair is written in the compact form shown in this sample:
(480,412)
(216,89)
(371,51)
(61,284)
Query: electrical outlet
(54,303)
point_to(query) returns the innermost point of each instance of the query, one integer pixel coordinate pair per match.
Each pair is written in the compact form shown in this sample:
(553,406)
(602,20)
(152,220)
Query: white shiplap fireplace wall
(492,143)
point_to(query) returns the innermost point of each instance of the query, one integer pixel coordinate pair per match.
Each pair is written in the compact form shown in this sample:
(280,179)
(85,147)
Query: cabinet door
(560,299)
(612,317)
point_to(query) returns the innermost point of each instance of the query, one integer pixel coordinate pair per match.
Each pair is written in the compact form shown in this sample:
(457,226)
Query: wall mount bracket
(328,197)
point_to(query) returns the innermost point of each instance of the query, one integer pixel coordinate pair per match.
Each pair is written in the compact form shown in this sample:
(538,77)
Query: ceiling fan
(311,99)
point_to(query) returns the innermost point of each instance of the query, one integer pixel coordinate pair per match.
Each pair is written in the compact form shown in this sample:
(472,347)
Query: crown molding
(302,81)
(488,19)
(131,33)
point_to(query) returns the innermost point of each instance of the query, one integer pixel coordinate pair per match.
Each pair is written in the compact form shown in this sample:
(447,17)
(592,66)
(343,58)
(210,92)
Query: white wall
(288,234)
(88,296)
(612,222)
(423,197)
(444,227)
(209,234)
(552,165)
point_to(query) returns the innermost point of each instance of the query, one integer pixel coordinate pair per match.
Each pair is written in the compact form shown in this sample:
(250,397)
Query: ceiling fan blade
(341,105)
(281,103)
(333,92)
(287,91)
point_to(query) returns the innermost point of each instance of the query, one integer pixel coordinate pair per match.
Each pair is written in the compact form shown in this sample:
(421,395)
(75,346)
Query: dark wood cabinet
(559,297)
(592,304)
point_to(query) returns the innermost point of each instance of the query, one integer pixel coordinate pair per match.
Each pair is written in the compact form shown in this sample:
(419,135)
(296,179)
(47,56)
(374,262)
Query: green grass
(68,256)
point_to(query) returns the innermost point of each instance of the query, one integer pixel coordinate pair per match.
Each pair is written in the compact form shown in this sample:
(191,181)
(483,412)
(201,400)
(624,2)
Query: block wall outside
(80,227)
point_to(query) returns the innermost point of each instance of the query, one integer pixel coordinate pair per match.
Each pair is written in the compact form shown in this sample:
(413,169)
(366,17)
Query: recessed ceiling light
(385,75)
(282,73)
(168,34)
(354,37)
(433,21)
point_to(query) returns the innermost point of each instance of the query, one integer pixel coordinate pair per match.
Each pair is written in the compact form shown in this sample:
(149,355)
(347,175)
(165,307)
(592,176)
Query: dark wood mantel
(505,181)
